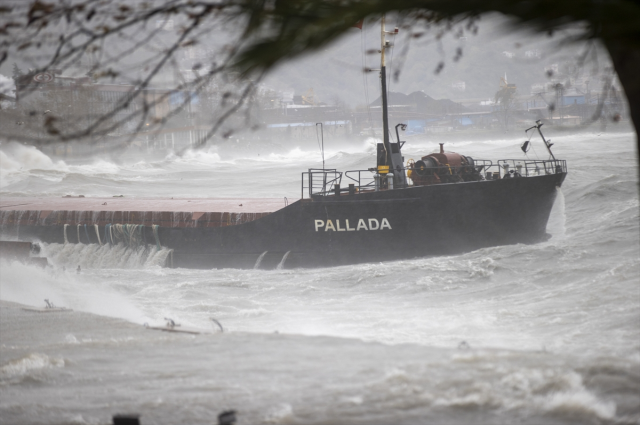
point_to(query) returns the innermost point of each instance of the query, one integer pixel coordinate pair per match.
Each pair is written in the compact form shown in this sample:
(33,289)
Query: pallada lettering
(363,224)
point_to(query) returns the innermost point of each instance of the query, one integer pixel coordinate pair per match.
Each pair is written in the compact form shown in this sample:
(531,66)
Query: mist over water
(551,330)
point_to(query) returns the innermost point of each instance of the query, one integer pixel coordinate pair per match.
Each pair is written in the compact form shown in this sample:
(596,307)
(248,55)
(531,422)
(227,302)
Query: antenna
(547,143)
(403,126)
(321,148)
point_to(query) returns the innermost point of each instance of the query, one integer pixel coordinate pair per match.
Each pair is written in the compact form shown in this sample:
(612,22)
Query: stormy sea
(521,334)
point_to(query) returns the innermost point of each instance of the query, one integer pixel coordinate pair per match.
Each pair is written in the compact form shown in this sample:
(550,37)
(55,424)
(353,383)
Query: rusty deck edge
(145,218)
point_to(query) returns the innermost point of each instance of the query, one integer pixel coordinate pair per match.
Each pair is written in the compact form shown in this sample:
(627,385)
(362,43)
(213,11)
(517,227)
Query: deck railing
(327,182)
(319,181)
(530,168)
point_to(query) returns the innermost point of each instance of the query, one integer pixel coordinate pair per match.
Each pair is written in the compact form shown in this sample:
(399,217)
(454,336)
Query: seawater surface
(533,334)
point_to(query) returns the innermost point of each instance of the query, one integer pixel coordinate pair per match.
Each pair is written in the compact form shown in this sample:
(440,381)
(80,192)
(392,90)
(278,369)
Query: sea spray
(18,160)
(284,258)
(86,291)
(94,256)
(556,224)
(259,260)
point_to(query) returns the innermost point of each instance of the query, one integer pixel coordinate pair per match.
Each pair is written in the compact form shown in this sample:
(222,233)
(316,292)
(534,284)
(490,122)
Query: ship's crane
(504,84)
(309,97)
(506,95)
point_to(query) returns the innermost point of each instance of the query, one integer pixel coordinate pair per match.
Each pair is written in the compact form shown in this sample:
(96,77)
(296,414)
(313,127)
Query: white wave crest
(203,156)
(96,256)
(282,413)
(19,159)
(580,403)
(97,167)
(26,365)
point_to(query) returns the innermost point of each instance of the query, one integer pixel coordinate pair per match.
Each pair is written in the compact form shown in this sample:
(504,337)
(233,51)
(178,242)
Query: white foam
(106,256)
(7,85)
(20,159)
(71,339)
(294,154)
(204,156)
(557,218)
(30,285)
(96,168)
(28,364)
(580,403)
(282,413)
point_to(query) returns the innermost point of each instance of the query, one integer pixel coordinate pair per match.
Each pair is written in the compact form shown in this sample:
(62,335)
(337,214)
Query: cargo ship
(444,203)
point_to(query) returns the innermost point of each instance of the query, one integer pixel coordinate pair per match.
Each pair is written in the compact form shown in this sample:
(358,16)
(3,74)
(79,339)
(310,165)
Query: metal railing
(358,180)
(325,182)
(530,168)
(482,164)
(318,181)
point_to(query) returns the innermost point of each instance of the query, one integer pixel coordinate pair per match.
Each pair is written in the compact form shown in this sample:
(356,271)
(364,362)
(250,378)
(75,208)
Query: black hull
(424,221)
(420,221)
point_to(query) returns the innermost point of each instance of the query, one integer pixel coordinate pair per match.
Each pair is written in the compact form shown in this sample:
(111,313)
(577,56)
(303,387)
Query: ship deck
(174,212)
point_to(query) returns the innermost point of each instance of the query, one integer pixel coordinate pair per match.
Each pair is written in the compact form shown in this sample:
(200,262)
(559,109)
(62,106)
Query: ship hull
(377,226)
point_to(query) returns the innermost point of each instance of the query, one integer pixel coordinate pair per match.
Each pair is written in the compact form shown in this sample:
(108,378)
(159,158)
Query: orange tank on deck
(443,167)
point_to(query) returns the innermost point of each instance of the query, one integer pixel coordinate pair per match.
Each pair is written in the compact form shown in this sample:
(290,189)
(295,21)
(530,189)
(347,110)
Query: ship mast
(383,78)
(393,155)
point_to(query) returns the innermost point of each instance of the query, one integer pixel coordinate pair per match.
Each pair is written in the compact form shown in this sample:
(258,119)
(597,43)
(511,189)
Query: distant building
(419,102)
(538,88)
(573,97)
(286,97)
(459,85)
(80,102)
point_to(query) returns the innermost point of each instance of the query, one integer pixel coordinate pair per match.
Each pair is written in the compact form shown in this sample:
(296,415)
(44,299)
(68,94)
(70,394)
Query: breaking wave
(96,256)
(17,161)
(30,366)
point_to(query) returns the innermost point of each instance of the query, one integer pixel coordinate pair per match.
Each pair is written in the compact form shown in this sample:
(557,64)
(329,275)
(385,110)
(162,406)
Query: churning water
(551,331)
